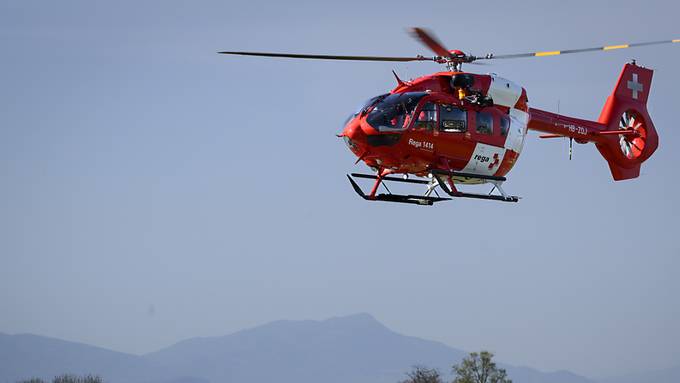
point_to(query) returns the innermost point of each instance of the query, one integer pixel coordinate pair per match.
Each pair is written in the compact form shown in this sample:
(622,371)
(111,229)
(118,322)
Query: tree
(421,374)
(479,368)
(66,378)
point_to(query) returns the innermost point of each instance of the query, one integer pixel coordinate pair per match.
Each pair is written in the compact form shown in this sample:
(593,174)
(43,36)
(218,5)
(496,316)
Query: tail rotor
(632,145)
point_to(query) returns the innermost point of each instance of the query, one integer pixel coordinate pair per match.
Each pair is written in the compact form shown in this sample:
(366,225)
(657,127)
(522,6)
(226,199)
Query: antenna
(571,140)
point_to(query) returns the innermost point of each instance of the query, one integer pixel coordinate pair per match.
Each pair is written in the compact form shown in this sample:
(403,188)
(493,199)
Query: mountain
(23,356)
(530,375)
(669,375)
(354,348)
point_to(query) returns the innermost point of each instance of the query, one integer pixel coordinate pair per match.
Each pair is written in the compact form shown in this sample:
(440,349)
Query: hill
(669,375)
(25,355)
(354,348)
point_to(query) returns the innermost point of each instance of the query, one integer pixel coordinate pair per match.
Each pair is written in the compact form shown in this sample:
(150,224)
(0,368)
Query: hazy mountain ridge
(354,348)
(668,375)
(357,347)
(27,355)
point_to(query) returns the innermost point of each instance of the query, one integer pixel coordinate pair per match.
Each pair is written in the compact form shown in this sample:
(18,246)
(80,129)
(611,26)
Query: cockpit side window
(505,125)
(484,123)
(452,119)
(427,117)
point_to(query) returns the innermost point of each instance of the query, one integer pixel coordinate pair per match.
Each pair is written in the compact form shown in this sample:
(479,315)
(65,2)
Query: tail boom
(558,125)
(624,134)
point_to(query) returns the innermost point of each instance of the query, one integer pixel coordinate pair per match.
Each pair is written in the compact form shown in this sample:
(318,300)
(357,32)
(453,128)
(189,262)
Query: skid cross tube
(388,178)
(446,183)
(468,175)
(408,198)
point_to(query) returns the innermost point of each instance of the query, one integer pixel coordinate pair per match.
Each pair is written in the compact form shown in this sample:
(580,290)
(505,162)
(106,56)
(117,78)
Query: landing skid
(412,199)
(441,179)
(445,181)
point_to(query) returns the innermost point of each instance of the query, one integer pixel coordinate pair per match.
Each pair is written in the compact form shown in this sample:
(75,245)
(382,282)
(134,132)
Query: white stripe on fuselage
(518,130)
(503,91)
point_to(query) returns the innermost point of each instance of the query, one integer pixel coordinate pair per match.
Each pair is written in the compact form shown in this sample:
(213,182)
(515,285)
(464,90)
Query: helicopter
(454,128)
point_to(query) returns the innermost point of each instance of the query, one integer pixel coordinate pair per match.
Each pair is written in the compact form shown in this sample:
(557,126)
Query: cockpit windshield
(365,106)
(370,102)
(394,111)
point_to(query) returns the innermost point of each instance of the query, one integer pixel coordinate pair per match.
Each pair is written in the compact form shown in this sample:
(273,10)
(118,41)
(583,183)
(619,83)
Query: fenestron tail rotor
(632,145)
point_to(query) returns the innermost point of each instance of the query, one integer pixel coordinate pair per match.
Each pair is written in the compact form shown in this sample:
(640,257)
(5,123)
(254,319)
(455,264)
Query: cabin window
(452,119)
(505,125)
(484,123)
(427,118)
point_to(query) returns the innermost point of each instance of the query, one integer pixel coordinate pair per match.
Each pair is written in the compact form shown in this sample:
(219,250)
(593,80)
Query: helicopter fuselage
(456,121)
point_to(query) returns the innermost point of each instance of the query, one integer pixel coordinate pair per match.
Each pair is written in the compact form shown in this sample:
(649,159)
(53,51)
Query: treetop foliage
(67,378)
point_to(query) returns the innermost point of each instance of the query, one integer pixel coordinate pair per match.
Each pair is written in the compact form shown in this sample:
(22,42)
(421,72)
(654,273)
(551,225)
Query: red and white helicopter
(453,127)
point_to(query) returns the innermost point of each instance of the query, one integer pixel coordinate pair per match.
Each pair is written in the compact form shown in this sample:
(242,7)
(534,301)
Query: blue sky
(153,190)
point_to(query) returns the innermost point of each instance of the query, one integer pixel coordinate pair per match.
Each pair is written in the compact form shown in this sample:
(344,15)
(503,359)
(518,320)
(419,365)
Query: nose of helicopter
(354,136)
(368,144)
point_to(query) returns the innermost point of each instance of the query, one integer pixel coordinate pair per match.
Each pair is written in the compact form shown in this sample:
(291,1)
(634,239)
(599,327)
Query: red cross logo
(495,161)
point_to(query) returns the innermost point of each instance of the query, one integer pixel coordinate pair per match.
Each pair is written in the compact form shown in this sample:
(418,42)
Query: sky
(152,190)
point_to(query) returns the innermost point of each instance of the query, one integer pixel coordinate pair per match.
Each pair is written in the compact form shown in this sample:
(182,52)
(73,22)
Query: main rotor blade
(582,50)
(329,57)
(430,41)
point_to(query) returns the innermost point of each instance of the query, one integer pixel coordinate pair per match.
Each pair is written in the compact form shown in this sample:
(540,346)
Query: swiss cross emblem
(495,161)
(635,86)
